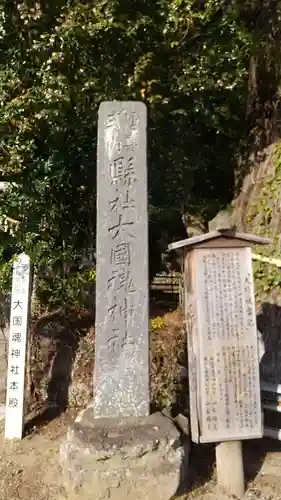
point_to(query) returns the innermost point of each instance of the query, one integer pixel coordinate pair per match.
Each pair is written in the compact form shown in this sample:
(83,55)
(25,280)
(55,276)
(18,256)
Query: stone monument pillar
(116,449)
(121,385)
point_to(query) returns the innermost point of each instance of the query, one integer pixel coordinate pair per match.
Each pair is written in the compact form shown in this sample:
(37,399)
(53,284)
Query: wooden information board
(224,350)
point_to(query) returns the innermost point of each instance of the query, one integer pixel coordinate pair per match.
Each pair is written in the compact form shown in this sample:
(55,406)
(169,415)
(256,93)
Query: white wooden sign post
(17,348)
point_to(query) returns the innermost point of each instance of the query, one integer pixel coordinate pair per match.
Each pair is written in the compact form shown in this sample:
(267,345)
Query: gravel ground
(30,470)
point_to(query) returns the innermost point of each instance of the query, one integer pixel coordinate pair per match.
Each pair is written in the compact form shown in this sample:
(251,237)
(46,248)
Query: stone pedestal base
(134,458)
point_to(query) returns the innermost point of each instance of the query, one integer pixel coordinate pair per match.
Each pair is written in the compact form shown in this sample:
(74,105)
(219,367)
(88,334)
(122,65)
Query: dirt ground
(30,470)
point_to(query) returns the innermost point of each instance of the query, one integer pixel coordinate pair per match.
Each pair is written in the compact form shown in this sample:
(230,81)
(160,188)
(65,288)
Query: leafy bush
(59,61)
(168,352)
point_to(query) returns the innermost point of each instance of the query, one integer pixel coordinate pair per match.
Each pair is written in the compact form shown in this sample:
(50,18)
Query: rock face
(257,210)
(61,360)
(223,220)
(133,458)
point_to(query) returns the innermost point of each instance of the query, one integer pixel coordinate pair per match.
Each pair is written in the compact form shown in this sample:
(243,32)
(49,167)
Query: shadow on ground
(41,418)
(255,453)
(202,467)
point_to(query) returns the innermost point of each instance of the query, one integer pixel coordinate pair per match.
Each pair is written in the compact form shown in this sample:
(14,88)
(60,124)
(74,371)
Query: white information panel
(230,406)
(17,348)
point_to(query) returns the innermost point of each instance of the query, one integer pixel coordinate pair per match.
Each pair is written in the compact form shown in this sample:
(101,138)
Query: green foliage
(278,159)
(6,269)
(187,60)
(75,289)
(263,218)
(267,278)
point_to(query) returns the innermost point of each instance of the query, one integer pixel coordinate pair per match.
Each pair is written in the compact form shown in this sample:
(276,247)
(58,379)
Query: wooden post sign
(17,348)
(222,337)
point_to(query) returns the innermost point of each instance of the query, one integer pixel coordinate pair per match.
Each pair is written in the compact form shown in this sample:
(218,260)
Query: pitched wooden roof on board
(222,233)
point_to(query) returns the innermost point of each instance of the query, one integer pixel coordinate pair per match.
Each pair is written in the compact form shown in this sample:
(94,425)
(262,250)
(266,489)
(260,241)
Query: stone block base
(134,458)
